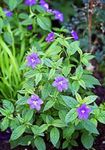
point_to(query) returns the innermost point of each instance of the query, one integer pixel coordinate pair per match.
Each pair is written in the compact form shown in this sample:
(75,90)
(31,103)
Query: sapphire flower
(35,102)
(44,4)
(8,13)
(29,27)
(83,112)
(50,37)
(58,15)
(30,2)
(60,83)
(74,34)
(33,60)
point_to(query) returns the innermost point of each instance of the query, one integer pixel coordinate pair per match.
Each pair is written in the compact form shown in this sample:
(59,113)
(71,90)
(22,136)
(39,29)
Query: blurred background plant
(87,17)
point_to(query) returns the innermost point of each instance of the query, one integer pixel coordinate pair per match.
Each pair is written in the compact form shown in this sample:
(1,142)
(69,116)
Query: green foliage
(54,136)
(58,118)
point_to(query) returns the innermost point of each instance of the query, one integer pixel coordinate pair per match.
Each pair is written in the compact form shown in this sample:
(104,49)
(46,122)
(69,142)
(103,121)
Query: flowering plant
(55,102)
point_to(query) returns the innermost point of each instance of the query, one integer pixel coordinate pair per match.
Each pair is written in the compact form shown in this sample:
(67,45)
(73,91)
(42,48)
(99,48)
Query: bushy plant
(55,103)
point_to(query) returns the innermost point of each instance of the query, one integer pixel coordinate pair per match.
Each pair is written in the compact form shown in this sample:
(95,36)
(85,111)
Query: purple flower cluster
(74,35)
(30,2)
(50,37)
(8,13)
(58,15)
(33,60)
(83,112)
(35,102)
(60,83)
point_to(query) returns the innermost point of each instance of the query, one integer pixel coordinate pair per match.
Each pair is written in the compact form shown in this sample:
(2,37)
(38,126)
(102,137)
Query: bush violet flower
(74,34)
(35,102)
(8,13)
(60,83)
(44,4)
(83,112)
(30,2)
(33,60)
(58,15)
(29,27)
(50,37)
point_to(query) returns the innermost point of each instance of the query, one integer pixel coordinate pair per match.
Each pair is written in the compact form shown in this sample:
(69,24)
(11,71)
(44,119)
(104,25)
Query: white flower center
(33,60)
(60,82)
(35,102)
(83,111)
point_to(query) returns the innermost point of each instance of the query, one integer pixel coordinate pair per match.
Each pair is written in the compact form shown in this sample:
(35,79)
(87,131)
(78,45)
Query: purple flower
(49,10)
(83,112)
(8,13)
(30,2)
(58,15)
(35,102)
(44,4)
(74,34)
(33,60)
(29,27)
(50,37)
(60,83)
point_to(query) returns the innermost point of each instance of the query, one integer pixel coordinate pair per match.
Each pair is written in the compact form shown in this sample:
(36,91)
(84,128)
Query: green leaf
(66,70)
(82,84)
(27,21)
(4,124)
(8,38)
(51,73)
(24,140)
(90,81)
(78,97)
(68,131)
(54,136)
(90,99)
(46,90)
(18,132)
(74,46)
(101,117)
(79,71)
(62,114)
(63,42)
(65,144)
(8,105)
(3,112)
(71,115)
(39,143)
(49,104)
(70,101)
(44,22)
(75,87)
(1,24)
(58,123)
(23,15)
(28,116)
(89,126)
(50,51)
(87,140)
(35,130)
(38,78)
(43,128)
(22,100)
(12,4)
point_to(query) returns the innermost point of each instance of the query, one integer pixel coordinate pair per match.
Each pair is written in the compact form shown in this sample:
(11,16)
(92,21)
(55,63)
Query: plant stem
(90,13)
